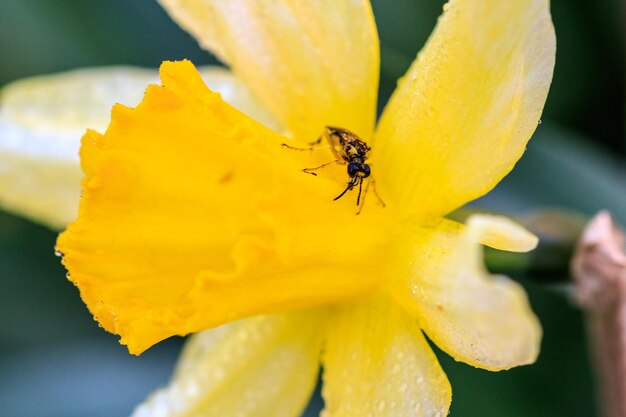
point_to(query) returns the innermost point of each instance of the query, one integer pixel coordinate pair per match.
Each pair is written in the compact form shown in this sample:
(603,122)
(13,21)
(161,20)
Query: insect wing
(340,141)
(336,142)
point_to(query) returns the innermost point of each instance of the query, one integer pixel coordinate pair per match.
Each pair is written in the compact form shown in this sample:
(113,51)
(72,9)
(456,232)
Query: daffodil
(194,216)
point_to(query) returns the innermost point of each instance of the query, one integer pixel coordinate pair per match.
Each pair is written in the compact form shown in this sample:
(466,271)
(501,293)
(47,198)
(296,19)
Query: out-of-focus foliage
(55,361)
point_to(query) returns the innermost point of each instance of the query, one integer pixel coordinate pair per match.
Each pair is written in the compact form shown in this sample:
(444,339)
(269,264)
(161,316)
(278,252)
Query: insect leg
(380,200)
(317,142)
(358,197)
(310,170)
(293,148)
(312,145)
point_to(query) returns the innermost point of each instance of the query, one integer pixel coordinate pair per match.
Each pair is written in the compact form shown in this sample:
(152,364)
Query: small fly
(349,150)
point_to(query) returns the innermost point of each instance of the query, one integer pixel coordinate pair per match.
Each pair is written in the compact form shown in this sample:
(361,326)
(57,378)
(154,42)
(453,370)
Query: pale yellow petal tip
(524,323)
(501,233)
(483,320)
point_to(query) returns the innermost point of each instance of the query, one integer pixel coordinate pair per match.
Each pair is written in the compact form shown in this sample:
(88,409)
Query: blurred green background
(56,361)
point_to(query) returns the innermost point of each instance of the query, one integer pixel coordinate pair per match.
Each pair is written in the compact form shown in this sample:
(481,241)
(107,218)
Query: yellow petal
(235,93)
(42,120)
(313,63)
(194,215)
(257,367)
(477,318)
(377,363)
(462,115)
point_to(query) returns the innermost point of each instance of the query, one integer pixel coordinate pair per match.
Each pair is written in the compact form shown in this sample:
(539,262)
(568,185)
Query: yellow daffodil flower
(193,215)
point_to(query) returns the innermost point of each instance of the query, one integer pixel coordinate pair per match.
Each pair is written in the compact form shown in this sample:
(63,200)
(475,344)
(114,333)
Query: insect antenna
(351,184)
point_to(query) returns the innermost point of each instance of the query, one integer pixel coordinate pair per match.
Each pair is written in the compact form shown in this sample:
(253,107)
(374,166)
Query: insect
(348,149)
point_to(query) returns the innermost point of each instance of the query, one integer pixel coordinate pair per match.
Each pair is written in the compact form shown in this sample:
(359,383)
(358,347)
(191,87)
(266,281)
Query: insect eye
(366,171)
(353,169)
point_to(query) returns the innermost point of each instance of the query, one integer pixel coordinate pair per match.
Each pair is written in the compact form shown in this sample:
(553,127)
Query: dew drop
(58,253)
(539,122)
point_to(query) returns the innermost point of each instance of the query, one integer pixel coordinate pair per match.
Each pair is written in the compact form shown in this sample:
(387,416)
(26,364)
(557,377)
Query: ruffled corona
(197,213)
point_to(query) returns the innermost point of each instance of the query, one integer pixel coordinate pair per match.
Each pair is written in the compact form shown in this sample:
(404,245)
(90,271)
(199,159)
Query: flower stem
(599,272)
